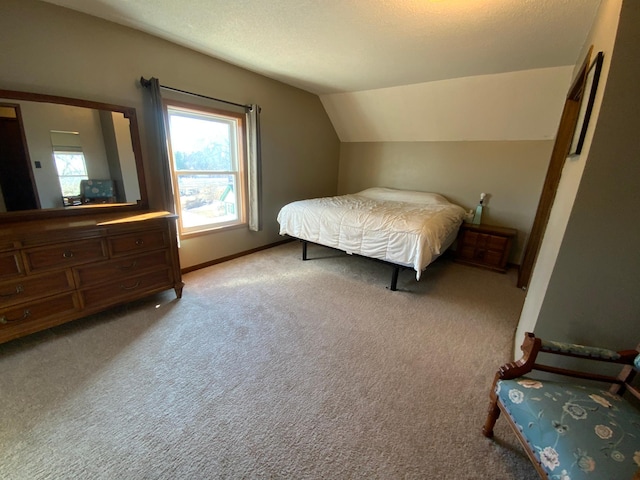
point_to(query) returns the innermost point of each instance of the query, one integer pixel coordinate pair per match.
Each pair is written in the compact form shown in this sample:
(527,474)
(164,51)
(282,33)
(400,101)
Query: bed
(407,229)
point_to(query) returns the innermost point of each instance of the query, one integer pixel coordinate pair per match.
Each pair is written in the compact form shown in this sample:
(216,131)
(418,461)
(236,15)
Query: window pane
(207,199)
(70,185)
(71,169)
(201,143)
(70,163)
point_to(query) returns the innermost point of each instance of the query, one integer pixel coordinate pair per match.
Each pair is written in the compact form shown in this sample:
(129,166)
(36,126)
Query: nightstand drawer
(485,246)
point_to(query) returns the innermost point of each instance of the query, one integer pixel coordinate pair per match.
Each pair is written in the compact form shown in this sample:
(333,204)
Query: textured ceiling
(332,46)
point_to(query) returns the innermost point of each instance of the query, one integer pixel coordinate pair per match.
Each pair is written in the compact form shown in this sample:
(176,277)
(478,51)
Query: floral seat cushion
(576,432)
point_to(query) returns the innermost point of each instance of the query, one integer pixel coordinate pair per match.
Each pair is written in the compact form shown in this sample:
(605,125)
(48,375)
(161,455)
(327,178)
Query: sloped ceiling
(337,46)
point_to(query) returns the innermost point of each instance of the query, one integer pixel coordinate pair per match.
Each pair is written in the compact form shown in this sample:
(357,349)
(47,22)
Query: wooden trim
(234,256)
(240,167)
(559,155)
(120,208)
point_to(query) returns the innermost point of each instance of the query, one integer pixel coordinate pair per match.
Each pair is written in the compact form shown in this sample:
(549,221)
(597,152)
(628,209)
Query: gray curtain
(254,167)
(160,127)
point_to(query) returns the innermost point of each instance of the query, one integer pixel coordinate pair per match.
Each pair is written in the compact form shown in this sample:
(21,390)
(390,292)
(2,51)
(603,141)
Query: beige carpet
(270,368)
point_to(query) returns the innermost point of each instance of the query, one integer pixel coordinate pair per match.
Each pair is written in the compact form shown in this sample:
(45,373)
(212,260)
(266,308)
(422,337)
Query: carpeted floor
(271,368)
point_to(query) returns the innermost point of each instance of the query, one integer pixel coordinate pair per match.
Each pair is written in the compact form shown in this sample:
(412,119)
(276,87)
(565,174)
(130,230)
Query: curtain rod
(146,83)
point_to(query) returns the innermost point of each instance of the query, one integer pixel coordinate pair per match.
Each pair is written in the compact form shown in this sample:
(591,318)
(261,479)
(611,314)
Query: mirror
(63,156)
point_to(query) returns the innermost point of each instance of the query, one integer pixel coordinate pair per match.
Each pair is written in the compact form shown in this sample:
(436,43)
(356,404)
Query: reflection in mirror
(56,155)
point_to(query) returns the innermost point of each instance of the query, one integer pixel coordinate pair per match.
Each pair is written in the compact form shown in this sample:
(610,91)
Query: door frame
(561,146)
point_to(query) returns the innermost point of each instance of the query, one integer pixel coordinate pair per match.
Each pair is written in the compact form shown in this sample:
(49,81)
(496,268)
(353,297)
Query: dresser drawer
(35,312)
(36,286)
(8,245)
(126,289)
(10,265)
(137,242)
(65,254)
(105,272)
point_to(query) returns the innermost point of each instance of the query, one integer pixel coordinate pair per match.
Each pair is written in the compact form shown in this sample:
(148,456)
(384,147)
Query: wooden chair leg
(492,417)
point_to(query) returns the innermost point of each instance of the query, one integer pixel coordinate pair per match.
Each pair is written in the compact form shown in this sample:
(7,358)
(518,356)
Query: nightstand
(485,246)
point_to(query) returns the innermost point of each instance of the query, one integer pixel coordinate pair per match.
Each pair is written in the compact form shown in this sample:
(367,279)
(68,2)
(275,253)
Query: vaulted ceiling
(335,46)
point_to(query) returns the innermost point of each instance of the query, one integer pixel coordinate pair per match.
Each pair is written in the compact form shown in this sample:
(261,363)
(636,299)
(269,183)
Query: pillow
(425,198)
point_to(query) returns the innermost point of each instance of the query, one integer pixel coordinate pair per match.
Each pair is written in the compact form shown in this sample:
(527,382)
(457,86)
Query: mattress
(403,227)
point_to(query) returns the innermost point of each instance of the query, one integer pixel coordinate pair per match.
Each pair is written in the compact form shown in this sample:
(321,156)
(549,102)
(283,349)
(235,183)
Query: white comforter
(403,227)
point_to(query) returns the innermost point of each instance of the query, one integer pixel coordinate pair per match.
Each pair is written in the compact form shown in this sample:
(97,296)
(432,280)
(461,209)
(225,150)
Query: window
(71,169)
(69,160)
(206,149)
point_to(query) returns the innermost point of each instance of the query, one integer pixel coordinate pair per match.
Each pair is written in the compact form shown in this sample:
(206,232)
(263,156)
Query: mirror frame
(129,113)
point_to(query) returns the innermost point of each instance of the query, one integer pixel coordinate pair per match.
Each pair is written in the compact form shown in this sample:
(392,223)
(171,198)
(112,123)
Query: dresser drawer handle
(25,315)
(67,254)
(139,242)
(128,267)
(19,289)
(136,285)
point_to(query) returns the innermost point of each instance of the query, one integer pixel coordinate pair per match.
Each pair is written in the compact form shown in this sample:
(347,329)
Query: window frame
(70,151)
(240,172)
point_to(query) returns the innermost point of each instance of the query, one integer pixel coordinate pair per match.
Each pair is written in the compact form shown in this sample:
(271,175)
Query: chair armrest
(530,348)
(626,357)
(576,350)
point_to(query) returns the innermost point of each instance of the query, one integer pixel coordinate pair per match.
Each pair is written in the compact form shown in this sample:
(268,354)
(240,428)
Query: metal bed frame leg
(394,278)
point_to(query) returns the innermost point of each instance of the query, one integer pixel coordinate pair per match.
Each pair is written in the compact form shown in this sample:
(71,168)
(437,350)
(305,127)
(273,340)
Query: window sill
(213,230)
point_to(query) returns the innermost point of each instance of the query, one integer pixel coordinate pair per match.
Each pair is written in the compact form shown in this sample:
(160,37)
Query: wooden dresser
(58,270)
(485,246)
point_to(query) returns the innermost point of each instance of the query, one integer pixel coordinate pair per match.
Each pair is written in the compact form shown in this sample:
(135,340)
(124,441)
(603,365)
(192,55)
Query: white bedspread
(398,226)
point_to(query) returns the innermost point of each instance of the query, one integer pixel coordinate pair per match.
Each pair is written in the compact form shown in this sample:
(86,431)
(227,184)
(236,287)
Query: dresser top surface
(78,222)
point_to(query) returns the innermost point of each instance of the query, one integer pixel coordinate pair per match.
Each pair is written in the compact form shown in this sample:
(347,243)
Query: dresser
(485,246)
(57,270)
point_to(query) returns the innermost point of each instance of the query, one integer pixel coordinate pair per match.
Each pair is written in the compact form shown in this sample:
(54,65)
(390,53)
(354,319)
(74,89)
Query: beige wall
(522,105)
(48,49)
(511,173)
(602,37)
(459,137)
(592,294)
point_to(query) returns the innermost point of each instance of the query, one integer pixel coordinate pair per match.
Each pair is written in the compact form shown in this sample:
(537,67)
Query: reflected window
(207,166)
(69,160)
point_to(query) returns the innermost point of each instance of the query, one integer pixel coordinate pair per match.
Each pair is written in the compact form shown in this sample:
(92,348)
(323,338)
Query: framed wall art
(586,104)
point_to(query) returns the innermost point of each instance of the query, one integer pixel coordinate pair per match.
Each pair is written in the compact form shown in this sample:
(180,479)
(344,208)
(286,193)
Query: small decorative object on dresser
(52,272)
(485,246)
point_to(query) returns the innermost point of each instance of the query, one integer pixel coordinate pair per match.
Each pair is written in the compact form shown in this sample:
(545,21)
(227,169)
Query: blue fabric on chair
(582,350)
(97,188)
(636,362)
(576,432)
